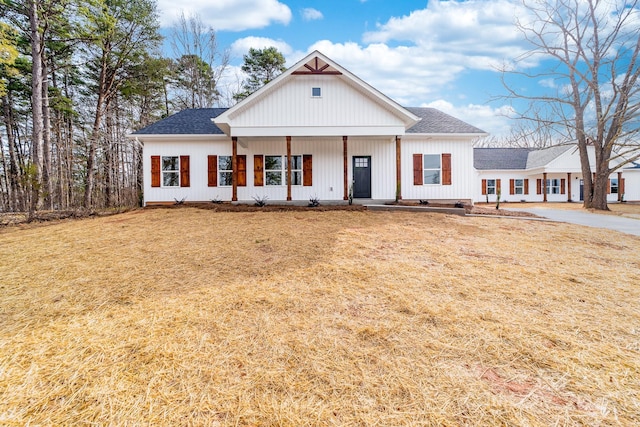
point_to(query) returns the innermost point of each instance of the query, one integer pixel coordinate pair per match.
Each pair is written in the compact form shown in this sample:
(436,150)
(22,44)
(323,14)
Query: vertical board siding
(293,105)
(462,178)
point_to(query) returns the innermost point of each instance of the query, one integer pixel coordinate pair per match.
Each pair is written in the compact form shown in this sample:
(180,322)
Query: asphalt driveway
(612,222)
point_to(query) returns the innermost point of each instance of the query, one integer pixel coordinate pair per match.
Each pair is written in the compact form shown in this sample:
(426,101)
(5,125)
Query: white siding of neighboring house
(632,185)
(462,176)
(505,176)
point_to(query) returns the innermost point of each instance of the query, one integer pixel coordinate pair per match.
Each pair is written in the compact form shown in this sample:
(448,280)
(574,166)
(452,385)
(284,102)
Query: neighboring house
(552,174)
(316,131)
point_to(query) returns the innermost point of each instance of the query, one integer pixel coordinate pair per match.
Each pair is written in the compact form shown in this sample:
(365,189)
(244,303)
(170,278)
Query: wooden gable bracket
(317,69)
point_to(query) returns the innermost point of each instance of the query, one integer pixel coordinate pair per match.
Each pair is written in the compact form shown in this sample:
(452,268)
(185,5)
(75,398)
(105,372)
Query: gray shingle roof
(435,121)
(539,158)
(187,122)
(198,122)
(500,158)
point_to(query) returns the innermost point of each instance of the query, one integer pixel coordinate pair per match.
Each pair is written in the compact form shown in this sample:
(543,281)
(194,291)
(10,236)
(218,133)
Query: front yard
(196,317)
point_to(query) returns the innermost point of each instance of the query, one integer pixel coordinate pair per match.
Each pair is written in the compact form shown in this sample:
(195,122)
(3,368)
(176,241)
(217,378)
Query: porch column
(569,187)
(620,187)
(346,164)
(544,186)
(234,169)
(288,168)
(398,170)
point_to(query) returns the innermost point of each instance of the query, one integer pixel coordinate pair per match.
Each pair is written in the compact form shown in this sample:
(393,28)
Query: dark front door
(362,177)
(581,189)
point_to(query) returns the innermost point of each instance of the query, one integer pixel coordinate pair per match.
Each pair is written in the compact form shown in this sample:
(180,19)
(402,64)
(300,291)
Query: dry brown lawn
(194,317)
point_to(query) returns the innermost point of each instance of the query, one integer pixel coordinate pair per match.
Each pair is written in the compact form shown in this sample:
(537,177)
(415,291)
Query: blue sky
(441,54)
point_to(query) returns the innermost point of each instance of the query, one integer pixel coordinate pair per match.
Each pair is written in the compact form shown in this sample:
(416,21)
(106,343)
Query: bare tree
(589,53)
(199,65)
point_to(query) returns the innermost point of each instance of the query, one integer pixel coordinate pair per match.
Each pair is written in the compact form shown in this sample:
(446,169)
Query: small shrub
(459,205)
(351,194)
(217,200)
(423,202)
(314,202)
(181,201)
(260,201)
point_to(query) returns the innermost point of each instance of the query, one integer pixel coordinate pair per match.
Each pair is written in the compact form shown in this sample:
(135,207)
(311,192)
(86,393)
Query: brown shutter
(621,186)
(484,187)
(241,162)
(498,186)
(526,186)
(512,186)
(539,186)
(184,171)
(608,186)
(155,171)
(258,170)
(417,169)
(446,168)
(307,170)
(563,183)
(212,171)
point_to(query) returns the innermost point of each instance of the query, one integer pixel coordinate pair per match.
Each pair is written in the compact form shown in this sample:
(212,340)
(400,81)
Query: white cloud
(229,15)
(495,121)
(311,14)
(241,46)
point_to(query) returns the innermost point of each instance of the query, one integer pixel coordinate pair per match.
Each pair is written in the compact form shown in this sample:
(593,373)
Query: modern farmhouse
(318,131)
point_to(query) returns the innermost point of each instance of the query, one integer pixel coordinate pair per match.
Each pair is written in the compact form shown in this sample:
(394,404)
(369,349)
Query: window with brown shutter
(212,171)
(446,168)
(155,171)
(484,187)
(184,171)
(258,170)
(307,170)
(417,169)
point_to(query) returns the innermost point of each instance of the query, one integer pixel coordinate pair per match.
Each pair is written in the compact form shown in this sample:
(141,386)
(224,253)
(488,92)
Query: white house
(316,131)
(552,174)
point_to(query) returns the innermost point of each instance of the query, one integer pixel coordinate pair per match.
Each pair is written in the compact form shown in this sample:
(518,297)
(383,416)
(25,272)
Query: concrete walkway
(612,222)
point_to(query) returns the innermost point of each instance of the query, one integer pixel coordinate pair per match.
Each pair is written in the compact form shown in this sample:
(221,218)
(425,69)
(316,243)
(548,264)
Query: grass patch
(195,317)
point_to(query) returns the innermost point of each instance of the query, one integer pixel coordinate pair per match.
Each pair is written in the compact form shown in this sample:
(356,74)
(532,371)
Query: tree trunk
(36,106)
(14,176)
(47,183)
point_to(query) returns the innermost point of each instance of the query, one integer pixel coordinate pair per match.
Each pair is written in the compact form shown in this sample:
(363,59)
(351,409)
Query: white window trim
(163,171)
(491,189)
(221,171)
(550,185)
(439,169)
(516,186)
(283,171)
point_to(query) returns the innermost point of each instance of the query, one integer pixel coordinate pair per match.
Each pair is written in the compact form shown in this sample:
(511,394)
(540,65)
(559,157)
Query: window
(316,92)
(614,186)
(273,170)
(431,171)
(553,186)
(518,186)
(225,172)
(362,162)
(170,171)
(491,186)
(296,170)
